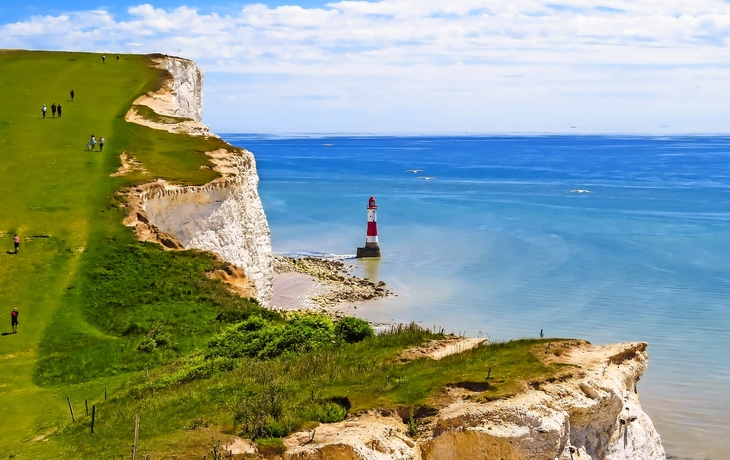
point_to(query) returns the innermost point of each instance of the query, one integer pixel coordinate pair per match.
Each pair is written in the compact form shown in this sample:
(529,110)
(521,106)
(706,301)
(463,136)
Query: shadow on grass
(8,333)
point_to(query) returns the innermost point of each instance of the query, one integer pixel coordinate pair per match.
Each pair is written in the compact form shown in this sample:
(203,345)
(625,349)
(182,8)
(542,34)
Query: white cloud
(485,65)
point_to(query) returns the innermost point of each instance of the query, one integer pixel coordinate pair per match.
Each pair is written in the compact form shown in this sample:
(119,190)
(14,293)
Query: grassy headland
(100,311)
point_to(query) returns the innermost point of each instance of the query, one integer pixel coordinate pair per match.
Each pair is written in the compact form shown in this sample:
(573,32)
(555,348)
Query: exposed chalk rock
(180,100)
(186,87)
(224,217)
(594,414)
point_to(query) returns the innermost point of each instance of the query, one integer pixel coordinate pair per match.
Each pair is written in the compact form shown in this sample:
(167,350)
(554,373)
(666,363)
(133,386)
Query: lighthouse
(372,247)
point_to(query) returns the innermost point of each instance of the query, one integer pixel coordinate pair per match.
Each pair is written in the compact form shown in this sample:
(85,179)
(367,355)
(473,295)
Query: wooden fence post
(86,403)
(70,408)
(93,417)
(136,435)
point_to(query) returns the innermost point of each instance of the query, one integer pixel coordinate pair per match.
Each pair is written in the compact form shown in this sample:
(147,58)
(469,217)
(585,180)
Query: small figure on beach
(103,59)
(93,142)
(14,320)
(59,110)
(16,242)
(53,109)
(101,143)
(72,95)
(43,110)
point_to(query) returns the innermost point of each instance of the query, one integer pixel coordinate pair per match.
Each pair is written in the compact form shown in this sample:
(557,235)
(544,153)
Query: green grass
(100,310)
(359,377)
(60,199)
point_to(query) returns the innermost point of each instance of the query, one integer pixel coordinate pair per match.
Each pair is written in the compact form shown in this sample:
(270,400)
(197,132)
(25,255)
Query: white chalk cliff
(593,414)
(224,216)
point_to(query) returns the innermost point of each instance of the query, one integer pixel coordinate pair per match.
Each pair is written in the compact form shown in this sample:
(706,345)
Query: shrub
(147,344)
(325,412)
(259,338)
(261,414)
(158,336)
(351,329)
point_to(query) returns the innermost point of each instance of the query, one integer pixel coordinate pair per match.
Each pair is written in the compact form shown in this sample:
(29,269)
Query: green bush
(352,330)
(147,345)
(325,412)
(257,337)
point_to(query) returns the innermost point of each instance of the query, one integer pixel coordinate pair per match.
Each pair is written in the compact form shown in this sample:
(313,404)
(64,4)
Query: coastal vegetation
(111,323)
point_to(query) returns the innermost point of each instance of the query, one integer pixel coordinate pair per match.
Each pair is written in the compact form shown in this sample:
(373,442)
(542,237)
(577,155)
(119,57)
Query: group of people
(54,108)
(91,145)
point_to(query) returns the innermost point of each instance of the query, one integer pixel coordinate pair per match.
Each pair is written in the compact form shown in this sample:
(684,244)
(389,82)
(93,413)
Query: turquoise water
(495,243)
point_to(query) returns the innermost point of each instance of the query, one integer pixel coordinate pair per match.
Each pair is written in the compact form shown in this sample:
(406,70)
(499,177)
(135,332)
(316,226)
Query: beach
(321,284)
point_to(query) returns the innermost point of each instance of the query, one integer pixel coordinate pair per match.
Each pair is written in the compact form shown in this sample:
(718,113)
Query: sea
(602,238)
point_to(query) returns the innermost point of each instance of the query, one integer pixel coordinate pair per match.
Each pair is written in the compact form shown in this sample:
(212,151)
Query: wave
(318,255)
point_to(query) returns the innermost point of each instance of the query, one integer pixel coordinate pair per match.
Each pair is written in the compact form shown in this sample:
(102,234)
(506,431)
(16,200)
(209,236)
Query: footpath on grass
(56,197)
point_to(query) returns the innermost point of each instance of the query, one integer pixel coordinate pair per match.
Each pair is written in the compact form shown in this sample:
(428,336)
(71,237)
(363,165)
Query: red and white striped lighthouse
(372,247)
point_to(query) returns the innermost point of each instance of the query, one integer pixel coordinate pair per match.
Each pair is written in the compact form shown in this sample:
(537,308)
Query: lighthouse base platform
(370,250)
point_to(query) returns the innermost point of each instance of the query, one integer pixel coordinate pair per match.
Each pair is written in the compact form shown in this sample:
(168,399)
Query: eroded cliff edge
(592,413)
(224,216)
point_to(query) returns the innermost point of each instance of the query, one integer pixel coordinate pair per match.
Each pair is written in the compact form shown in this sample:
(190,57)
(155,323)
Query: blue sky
(421,66)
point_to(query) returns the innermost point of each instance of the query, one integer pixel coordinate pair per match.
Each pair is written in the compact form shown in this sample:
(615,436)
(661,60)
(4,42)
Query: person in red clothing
(16,240)
(14,320)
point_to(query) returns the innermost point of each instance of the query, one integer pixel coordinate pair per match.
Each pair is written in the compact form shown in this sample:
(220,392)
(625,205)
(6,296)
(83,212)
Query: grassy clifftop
(101,313)
(61,201)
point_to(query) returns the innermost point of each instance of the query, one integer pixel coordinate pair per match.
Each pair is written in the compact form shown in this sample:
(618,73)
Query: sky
(420,66)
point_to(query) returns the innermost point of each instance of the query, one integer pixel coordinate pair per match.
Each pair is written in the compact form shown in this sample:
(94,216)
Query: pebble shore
(334,276)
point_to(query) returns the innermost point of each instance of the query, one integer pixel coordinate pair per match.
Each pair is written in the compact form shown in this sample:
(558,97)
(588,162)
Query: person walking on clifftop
(53,109)
(43,110)
(93,142)
(72,95)
(101,143)
(16,241)
(14,320)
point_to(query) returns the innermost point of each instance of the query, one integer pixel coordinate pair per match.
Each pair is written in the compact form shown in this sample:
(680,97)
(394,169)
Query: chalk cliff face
(225,216)
(594,414)
(180,99)
(186,87)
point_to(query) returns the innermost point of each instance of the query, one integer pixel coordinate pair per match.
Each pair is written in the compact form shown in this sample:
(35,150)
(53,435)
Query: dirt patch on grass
(129,165)
(236,280)
(582,354)
(437,349)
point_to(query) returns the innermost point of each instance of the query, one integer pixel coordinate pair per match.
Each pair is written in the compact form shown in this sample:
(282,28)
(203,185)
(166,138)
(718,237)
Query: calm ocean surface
(496,243)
